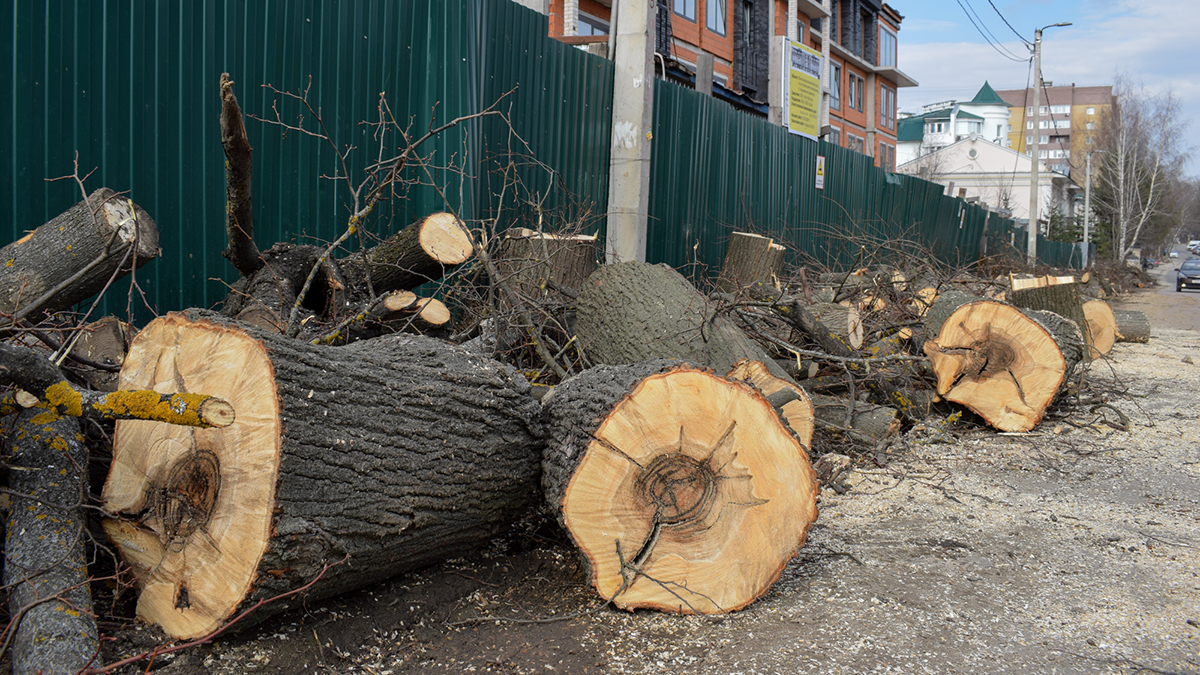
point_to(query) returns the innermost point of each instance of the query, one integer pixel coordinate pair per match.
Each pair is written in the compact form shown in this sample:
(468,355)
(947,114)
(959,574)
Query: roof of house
(988,95)
(911,129)
(964,115)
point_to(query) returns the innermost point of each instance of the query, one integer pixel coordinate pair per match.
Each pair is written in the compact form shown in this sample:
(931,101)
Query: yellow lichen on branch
(193,410)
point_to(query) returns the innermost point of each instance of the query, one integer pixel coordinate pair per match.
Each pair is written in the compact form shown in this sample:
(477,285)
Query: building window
(1091,111)
(1043,139)
(1091,125)
(1029,140)
(1010,127)
(1029,110)
(716,16)
(686,9)
(887,157)
(1091,141)
(1008,143)
(592,25)
(835,136)
(835,85)
(856,92)
(887,107)
(887,48)
(1060,110)
(1029,124)
(853,142)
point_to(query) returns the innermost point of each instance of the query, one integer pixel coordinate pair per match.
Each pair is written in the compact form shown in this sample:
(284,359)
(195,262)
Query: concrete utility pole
(632,118)
(1034,201)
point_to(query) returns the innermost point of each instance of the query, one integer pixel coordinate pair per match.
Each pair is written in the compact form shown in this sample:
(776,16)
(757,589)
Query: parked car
(1187,275)
(1174,253)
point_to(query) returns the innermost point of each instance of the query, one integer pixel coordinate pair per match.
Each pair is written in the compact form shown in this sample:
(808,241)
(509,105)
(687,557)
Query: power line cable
(994,39)
(993,45)
(1010,26)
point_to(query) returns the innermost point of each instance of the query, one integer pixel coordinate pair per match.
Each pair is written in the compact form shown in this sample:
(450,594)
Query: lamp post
(1031,246)
(1087,206)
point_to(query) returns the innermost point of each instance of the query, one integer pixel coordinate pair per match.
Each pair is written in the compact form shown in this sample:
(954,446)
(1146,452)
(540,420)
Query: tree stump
(844,323)
(529,259)
(749,259)
(392,453)
(683,490)
(1101,327)
(1004,364)
(52,254)
(633,311)
(1132,326)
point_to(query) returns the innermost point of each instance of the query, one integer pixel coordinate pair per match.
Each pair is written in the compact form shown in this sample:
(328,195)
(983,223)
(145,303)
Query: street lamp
(1031,246)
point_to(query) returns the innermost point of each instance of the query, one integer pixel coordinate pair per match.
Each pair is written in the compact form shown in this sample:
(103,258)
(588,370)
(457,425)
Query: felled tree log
(868,422)
(1101,327)
(844,323)
(1061,298)
(423,251)
(1132,325)
(45,566)
(391,453)
(1004,364)
(797,315)
(683,490)
(66,261)
(750,259)
(790,401)
(102,341)
(633,311)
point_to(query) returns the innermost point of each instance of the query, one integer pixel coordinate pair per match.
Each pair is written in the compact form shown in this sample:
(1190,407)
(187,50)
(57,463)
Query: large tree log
(844,323)
(790,401)
(633,311)
(1004,364)
(421,252)
(1101,327)
(48,269)
(1132,325)
(393,452)
(528,260)
(45,566)
(683,490)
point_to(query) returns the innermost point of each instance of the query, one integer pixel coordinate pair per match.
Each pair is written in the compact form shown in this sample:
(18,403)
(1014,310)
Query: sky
(1155,42)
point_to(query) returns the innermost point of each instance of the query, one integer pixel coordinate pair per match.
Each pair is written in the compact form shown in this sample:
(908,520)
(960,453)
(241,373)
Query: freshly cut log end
(688,496)
(444,239)
(1101,327)
(207,495)
(394,452)
(794,405)
(1000,363)
(844,323)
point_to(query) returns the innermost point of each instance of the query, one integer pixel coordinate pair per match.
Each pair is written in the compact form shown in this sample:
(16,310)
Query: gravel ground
(1072,549)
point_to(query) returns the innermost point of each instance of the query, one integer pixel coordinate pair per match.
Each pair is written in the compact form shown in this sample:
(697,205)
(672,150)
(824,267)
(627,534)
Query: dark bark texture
(633,311)
(1062,299)
(45,567)
(53,253)
(239,205)
(574,411)
(399,452)
(1132,326)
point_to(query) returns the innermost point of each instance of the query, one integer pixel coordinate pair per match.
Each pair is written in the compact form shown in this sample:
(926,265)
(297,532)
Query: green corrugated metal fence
(131,85)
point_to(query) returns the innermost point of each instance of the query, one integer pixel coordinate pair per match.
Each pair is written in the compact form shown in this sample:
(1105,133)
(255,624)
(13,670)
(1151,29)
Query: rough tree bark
(45,566)
(56,256)
(750,259)
(1061,298)
(239,205)
(1132,325)
(633,311)
(394,452)
(683,490)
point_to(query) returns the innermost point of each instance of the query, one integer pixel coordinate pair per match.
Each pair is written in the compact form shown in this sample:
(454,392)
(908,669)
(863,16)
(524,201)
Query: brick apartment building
(1069,118)
(863,75)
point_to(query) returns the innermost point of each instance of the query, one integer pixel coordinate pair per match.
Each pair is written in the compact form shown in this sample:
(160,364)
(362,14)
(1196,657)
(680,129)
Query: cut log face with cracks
(998,362)
(691,497)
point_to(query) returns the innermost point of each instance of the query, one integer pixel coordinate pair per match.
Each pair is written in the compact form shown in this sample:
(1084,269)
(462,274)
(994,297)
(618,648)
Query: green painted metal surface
(131,85)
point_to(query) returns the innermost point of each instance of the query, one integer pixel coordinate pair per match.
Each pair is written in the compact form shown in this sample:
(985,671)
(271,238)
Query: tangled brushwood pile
(335,424)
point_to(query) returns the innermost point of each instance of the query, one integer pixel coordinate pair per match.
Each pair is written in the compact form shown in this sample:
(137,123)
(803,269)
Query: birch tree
(1141,137)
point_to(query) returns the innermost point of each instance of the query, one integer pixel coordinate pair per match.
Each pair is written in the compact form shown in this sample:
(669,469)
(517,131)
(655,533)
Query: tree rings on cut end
(691,496)
(191,508)
(998,362)
(445,239)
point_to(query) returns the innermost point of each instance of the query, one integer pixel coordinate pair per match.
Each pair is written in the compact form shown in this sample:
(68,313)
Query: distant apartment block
(1069,120)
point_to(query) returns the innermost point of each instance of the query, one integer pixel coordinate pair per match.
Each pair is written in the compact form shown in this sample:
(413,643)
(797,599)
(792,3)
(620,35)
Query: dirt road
(1073,549)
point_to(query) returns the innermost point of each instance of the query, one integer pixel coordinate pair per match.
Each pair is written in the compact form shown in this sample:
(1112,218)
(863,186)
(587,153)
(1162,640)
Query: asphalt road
(1163,305)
